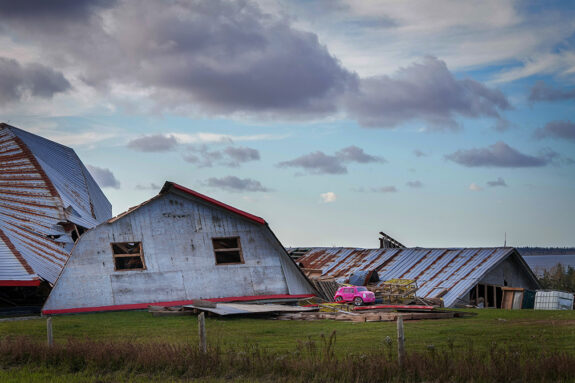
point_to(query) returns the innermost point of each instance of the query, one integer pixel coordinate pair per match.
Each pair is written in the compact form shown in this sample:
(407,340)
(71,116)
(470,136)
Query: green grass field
(524,332)
(529,329)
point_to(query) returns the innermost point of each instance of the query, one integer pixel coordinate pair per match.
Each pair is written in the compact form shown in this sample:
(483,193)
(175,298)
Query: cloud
(153,143)
(419,153)
(355,154)
(499,182)
(202,156)
(85,138)
(150,186)
(502,125)
(541,91)
(557,129)
(559,62)
(104,177)
(242,154)
(466,34)
(475,187)
(230,156)
(208,138)
(415,184)
(328,197)
(385,189)
(554,158)
(380,189)
(317,163)
(214,56)
(497,155)
(233,183)
(424,91)
(320,163)
(56,11)
(17,81)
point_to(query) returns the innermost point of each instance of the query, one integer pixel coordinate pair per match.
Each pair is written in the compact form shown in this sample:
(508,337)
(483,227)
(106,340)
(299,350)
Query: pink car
(356,294)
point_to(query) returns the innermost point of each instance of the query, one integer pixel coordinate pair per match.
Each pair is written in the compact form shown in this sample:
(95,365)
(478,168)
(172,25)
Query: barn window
(128,256)
(227,250)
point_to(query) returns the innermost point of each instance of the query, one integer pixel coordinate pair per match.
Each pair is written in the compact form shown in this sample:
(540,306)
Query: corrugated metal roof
(448,273)
(42,185)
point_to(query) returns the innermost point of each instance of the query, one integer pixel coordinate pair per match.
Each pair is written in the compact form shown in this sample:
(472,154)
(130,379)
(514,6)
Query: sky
(442,123)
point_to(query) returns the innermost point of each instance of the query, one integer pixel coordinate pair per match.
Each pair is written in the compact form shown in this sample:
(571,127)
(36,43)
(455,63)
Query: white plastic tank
(553,300)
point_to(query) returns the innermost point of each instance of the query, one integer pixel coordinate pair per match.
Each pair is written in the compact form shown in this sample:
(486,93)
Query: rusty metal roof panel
(70,177)
(429,279)
(401,263)
(449,273)
(42,185)
(13,268)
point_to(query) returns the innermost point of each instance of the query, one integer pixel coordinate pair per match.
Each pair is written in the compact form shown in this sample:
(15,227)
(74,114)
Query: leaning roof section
(42,186)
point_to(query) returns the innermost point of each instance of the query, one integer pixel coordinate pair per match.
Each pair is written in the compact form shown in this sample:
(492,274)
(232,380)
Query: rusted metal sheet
(446,273)
(176,231)
(43,187)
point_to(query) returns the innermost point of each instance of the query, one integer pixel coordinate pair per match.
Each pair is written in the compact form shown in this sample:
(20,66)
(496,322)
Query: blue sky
(441,123)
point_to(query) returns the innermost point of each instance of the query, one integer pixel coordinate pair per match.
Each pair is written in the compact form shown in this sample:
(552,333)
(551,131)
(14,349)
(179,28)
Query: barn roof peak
(172,186)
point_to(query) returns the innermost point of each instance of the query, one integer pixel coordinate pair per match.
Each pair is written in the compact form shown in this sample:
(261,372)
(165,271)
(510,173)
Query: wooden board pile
(326,288)
(396,291)
(168,311)
(366,316)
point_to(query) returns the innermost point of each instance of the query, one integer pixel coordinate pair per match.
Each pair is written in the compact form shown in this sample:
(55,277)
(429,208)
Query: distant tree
(559,278)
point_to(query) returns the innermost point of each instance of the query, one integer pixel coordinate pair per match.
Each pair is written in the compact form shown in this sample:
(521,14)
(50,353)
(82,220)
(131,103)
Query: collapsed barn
(47,200)
(487,277)
(177,247)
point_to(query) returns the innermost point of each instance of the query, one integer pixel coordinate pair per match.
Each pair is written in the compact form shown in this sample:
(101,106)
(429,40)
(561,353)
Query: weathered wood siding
(509,273)
(176,234)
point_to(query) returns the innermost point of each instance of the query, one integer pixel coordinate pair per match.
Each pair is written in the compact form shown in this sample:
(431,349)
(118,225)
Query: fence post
(202,332)
(49,332)
(400,340)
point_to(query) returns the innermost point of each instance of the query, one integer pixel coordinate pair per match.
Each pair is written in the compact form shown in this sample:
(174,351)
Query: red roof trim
(139,306)
(220,204)
(35,282)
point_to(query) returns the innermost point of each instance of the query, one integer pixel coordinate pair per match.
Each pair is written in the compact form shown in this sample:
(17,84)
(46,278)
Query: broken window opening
(75,231)
(228,250)
(128,256)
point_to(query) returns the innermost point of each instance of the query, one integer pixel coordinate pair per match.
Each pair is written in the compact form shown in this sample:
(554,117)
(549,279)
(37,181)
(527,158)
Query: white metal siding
(176,235)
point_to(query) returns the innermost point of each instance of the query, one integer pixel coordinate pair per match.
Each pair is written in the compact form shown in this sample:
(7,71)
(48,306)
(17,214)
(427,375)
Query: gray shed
(176,247)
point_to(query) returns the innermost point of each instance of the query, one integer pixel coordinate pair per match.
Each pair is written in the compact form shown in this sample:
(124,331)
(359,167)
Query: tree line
(559,278)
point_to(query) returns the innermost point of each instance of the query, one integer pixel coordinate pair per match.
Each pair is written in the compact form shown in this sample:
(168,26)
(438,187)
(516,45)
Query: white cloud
(475,187)
(562,64)
(206,138)
(328,197)
(375,37)
(86,138)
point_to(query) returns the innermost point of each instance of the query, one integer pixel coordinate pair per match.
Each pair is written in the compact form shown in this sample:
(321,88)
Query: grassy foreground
(495,345)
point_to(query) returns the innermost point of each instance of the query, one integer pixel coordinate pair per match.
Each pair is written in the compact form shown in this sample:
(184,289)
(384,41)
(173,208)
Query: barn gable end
(176,230)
